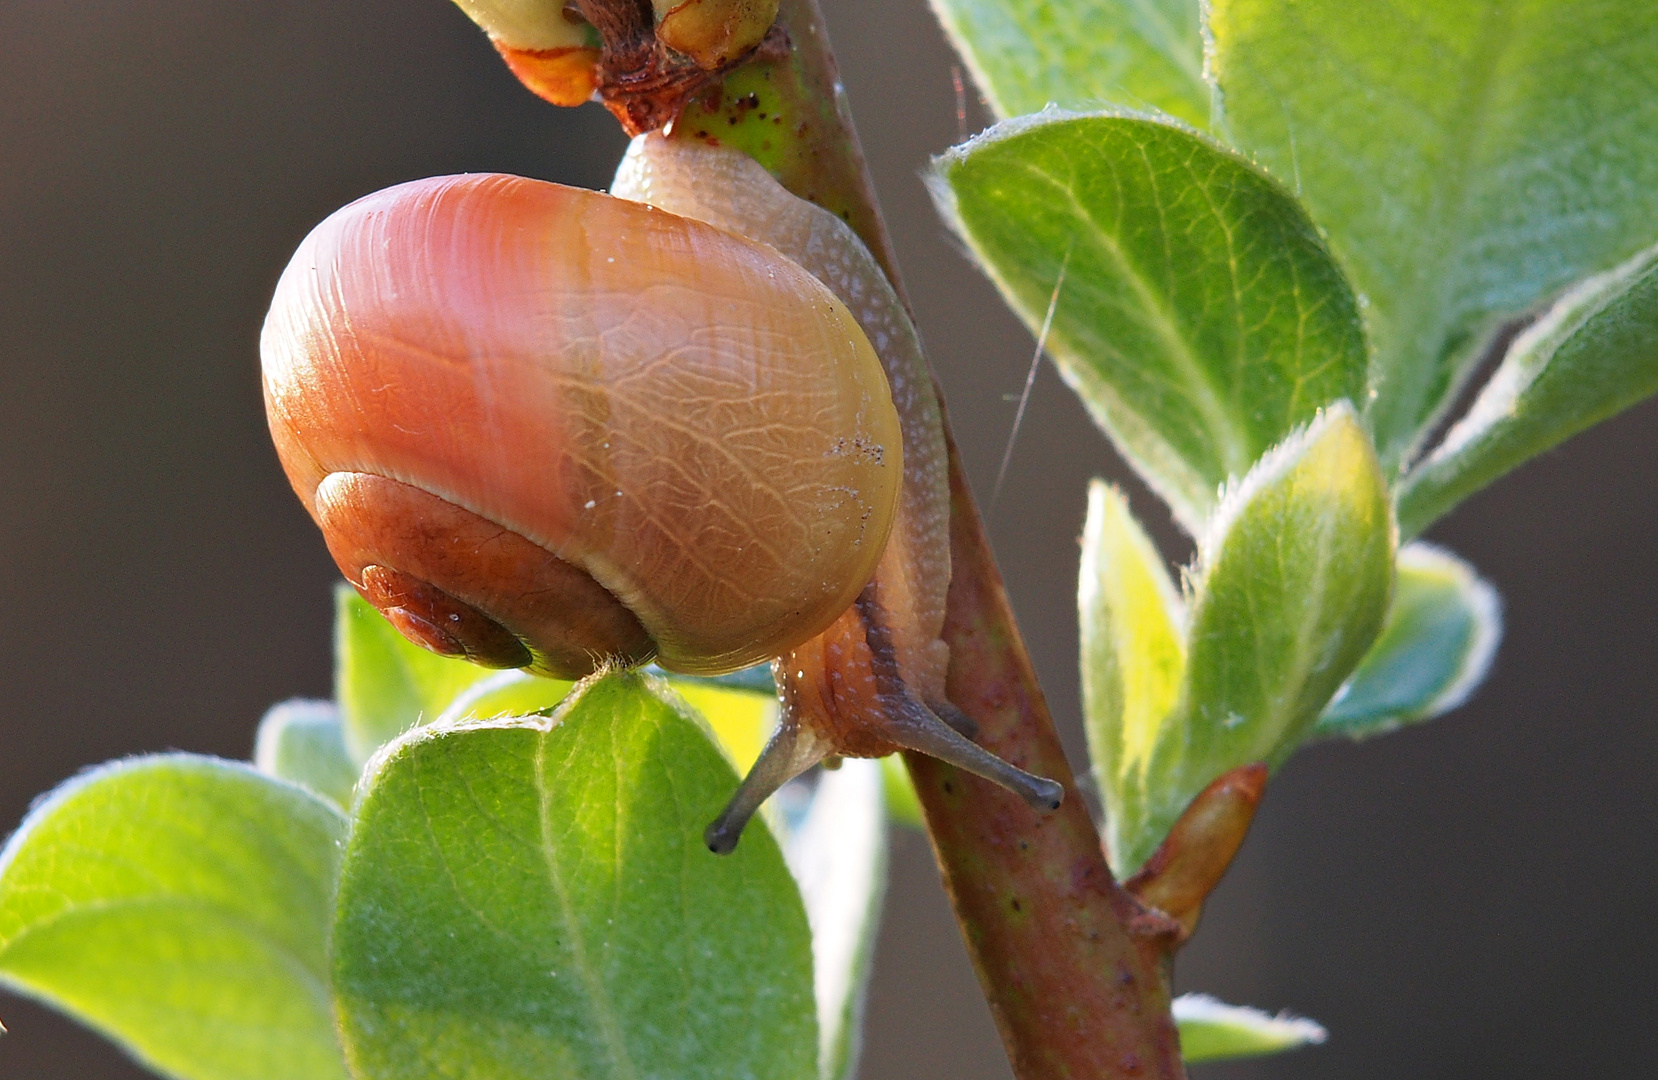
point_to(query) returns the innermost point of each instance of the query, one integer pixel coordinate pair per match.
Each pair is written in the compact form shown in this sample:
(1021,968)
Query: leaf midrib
(1421,321)
(600,1006)
(1232,446)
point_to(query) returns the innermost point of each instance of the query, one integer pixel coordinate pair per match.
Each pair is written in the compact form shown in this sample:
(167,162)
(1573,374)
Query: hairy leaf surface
(1437,644)
(1133,654)
(532,898)
(1294,575)
(1467,160)
(1211,1030)
(1593,355)
(180,905)
(303,743)
(1200,317)
(385,684)
(1082,54)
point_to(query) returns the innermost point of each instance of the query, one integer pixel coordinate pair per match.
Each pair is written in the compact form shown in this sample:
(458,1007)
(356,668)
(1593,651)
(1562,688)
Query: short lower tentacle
(791,751)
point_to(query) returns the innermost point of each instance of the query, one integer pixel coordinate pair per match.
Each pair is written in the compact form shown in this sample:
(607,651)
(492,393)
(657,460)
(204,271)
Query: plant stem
(790,114)
(1073,966)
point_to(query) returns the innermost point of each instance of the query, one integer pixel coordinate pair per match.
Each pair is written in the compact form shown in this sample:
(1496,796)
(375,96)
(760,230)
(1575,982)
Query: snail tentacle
(960,721)
(792,749)
(914,726)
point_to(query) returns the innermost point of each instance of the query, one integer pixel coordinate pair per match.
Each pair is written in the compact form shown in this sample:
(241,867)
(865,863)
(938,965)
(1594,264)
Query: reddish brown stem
(1073,965)
(1074,968)
(789,113)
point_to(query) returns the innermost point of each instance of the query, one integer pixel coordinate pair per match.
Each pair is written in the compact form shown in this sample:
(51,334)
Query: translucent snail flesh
(874,683)
(547,428)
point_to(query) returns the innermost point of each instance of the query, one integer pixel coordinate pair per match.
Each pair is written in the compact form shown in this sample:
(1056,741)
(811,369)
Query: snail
(552,429)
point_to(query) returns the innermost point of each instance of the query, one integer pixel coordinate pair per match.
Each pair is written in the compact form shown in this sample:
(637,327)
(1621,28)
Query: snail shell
(873,682)
(727,188)
(546,428)
(543,427)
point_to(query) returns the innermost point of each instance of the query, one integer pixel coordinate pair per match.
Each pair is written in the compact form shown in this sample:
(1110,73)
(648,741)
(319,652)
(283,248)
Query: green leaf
(1211,1030)
(1133,654)
(505,693)
(838,856)
(385,684)
(1294,575)
(1466,160)
(302,742)
(1079,54)
(1593,355)
(532,898)
(1438,641)
(1294,580)
(741,720)
(1200,317)
(179,905)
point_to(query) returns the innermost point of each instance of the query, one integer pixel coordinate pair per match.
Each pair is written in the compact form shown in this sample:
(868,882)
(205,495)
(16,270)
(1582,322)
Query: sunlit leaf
(532,898)
(505,693)
(1593,355)
(1211,1030)
(742,720)
(1466,160)
(302,742)
(1293,581)
(1133,654)
(1438,641)
(1199,318)
(1080,54)
(180,905)
(385,684)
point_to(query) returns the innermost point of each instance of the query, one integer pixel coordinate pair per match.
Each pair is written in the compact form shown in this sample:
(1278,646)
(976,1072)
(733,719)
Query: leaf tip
(1335,434)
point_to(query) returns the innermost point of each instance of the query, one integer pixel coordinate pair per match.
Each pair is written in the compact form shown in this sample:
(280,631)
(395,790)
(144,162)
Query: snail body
(547,428)
(873,682)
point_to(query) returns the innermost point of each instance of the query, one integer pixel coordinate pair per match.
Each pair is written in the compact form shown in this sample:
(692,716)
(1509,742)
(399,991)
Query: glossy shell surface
(686,416)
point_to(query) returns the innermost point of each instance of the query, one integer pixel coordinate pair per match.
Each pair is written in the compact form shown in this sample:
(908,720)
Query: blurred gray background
(1471,899)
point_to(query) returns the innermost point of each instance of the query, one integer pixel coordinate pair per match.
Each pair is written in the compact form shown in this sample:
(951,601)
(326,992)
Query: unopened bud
(552,52)
(714,33)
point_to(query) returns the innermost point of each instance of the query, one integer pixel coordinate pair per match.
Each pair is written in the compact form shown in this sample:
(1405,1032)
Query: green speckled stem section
(1074,992)
(790,114)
